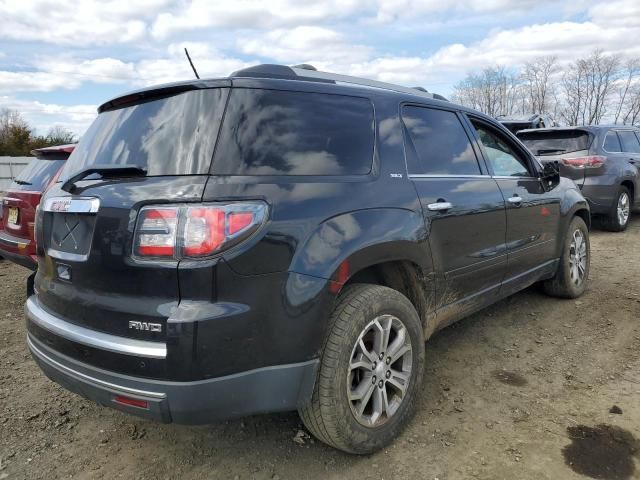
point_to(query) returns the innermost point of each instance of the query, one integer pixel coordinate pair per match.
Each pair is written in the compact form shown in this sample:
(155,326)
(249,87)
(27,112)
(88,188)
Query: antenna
(191,63)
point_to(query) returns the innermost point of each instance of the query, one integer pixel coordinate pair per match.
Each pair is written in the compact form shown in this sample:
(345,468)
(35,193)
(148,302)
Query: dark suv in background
(515,123)
(287,239)
(602,160)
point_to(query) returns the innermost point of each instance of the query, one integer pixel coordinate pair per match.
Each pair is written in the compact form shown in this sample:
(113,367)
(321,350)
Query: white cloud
(67,72)
(77,22)
(253,14)
(43,116)
(305,44)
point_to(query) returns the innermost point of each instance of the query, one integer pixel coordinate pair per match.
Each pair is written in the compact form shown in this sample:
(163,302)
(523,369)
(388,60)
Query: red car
(19,205)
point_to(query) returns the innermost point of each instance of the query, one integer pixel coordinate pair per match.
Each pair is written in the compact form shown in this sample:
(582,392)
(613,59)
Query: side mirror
(550,175)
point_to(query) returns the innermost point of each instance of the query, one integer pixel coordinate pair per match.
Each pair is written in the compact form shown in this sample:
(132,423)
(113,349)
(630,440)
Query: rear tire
(570,280)
(359,405)
(618,218)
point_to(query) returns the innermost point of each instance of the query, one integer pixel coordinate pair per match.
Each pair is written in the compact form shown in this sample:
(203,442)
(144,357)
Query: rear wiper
(22,182)
(550,150)
(104,171)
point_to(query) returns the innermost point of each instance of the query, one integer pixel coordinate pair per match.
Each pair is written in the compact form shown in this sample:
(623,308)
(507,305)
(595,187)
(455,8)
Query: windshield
(555,142)
(168,136)
(37,175)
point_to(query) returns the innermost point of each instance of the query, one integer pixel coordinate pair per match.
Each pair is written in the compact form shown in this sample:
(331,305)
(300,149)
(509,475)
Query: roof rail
(308,72)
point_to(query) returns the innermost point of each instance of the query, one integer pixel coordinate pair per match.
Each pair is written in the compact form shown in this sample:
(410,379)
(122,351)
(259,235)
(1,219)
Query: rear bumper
(269,389)
(18,250)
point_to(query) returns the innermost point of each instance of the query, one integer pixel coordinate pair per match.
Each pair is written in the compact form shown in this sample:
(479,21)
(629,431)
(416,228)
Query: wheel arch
(632,189)
(407,278)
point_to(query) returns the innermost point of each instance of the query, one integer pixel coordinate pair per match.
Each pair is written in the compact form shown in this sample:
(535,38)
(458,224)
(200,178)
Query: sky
(60,59)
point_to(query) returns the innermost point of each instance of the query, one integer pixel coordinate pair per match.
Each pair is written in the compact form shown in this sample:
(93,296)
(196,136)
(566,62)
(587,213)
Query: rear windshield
(37,175)
(271,132)
(555,142)
(169,136)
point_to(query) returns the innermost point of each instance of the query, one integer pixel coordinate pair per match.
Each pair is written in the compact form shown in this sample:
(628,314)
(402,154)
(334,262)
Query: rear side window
(629,141)
(271,132)
(611,142)
(438,144)
(168,136)
(555,142)
(37,175)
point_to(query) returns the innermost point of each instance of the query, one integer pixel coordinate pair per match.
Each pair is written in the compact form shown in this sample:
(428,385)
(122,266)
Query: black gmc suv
(287,239)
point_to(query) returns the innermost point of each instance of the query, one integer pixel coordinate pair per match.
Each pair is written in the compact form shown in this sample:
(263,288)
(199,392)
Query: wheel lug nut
(380,384)
(375,364)
(381,356)
(373,380)
(388,360)
(388,374)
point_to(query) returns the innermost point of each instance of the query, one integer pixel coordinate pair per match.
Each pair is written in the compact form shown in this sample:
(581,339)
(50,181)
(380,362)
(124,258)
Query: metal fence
(10,167)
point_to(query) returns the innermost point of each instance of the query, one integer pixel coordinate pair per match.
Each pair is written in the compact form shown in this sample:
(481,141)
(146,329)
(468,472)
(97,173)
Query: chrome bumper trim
(92,338)
(86,378)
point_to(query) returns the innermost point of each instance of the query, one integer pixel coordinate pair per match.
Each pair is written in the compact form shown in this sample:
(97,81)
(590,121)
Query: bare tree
(631,71)
(537,80)
(494,91)
(587,87)
(59,135)
(631,110)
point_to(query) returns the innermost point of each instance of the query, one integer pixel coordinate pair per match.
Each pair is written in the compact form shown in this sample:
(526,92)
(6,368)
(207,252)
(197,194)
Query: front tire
(618,219)
(370,372)
(570,280)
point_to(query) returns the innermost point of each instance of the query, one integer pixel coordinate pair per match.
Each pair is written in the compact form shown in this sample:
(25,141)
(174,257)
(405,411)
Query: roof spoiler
(57,152)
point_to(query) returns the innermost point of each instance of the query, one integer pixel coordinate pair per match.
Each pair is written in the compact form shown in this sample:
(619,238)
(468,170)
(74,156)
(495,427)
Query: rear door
(463,208)
(86,271)
(533,214)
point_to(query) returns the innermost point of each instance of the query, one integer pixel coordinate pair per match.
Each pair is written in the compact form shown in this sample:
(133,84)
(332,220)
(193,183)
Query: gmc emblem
(145,326)
(60,205)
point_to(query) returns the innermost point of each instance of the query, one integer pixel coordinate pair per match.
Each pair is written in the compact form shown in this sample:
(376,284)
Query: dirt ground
(531,388)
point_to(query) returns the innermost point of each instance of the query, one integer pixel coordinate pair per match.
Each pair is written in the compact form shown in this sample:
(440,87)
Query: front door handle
(439,206)
(515,200)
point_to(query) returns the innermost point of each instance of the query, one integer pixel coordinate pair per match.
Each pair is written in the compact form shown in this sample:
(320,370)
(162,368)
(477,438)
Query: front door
(532,213)
(463,208)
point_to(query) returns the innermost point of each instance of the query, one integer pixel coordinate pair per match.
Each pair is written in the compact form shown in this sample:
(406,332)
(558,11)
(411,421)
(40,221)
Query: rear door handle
(515,200)
(439,206)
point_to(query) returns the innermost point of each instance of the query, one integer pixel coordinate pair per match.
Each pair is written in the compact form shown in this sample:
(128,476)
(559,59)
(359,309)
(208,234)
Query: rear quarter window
(271,132)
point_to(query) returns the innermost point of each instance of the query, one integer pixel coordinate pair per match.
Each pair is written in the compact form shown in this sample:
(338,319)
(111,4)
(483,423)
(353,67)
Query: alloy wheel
(623,209)
(379,370)
(578,257)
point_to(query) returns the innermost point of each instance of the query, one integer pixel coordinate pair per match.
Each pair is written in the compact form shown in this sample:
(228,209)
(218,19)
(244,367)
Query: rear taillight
(195,231)
(156,233)
(591,161)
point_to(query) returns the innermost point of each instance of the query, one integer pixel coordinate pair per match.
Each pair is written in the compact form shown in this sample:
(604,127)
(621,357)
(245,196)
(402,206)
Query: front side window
(437,143)
(273,132)
(629,141)
(504,160)
(611,142)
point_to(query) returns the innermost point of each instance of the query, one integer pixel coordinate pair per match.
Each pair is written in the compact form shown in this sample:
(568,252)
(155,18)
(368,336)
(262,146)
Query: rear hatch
(19,205)
(559,145)
(160,145)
